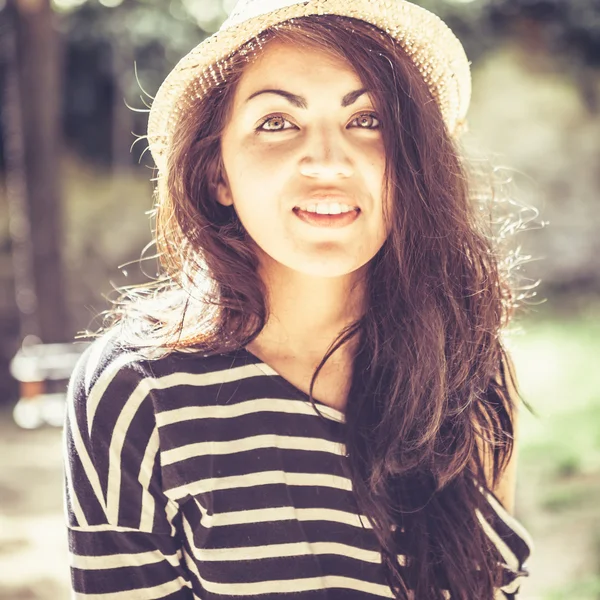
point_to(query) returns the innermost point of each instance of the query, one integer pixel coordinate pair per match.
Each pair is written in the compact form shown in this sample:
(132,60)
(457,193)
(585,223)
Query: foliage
(569,27)
(118,52)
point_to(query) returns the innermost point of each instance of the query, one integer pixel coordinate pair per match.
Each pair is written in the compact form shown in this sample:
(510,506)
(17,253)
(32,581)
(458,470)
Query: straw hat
(428,41)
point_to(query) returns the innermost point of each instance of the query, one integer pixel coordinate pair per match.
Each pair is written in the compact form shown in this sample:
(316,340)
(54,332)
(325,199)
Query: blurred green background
(74,195)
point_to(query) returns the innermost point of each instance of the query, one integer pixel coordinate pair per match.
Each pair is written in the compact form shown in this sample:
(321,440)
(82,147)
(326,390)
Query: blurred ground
(558,488)
(559,465)
(33,546)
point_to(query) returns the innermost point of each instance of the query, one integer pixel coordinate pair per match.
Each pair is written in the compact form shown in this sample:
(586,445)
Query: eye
(272,119)
(280,119)
(367,117)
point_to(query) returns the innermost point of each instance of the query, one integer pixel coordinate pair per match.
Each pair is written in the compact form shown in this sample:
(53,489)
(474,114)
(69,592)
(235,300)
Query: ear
(224,196)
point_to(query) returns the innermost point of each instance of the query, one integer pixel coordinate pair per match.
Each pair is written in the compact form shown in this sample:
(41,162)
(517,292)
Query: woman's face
(279,154)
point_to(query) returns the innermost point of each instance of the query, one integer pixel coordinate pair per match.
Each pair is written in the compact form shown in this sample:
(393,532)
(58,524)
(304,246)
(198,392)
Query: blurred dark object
(43,372)
(570,28)
(31,112)
(111,56)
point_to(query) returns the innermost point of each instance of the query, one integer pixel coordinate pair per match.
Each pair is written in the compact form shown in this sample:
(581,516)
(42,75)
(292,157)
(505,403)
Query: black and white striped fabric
(193,477)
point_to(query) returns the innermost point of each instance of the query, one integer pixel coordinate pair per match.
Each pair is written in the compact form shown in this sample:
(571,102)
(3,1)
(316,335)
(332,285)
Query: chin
(323,260)
(327,268)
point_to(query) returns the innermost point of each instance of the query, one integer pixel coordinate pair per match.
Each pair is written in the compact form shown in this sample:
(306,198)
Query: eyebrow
(300,102)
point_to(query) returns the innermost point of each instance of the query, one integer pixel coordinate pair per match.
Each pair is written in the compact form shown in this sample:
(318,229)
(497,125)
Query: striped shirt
(213,477)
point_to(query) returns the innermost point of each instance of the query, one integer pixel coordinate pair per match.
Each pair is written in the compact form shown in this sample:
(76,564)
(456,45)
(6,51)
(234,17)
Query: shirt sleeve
(121,527)
(514,545)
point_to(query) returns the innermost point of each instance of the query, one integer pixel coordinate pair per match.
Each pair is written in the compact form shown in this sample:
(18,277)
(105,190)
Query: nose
(325,155)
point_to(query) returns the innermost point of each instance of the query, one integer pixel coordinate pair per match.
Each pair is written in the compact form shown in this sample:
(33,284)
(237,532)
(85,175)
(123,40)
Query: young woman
(314,401)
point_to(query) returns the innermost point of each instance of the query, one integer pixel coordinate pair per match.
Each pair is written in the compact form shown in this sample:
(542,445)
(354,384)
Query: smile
(327,220)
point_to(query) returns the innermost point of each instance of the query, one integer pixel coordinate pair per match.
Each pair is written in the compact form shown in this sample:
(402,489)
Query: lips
(326,220)
(305,205)
(326,197)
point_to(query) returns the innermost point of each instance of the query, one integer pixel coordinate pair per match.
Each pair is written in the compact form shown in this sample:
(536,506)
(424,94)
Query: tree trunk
(33,143)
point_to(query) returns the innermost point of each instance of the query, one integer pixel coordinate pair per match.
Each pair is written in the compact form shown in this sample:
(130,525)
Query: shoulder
(107,382)
(108,358)
(106,362)
(111,377)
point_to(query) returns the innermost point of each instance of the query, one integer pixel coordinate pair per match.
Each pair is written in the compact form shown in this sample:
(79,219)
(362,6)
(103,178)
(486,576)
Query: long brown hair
(430,380)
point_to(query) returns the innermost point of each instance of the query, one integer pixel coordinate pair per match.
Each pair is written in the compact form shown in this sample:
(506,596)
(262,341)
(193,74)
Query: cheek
(373,173)
(371,156)
(257,189)
(259,176)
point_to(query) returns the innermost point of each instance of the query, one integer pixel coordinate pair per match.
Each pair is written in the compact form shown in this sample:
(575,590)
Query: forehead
(283,60)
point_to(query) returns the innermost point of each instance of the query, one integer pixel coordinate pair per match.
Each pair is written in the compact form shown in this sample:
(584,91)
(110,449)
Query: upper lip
(326,197)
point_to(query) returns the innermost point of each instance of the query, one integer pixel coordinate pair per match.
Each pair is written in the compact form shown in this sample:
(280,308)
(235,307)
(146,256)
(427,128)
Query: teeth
(333,208)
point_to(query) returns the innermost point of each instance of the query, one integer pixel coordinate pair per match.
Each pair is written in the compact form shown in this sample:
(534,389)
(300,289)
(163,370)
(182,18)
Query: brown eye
(277,119)
(368,119)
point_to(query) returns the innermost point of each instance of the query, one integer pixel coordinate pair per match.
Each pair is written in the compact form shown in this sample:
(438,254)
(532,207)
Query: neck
(308,313)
